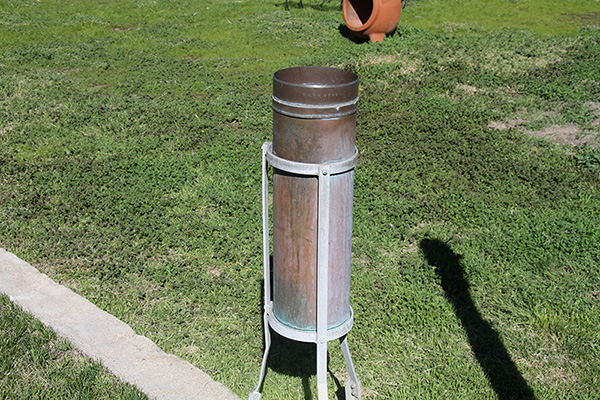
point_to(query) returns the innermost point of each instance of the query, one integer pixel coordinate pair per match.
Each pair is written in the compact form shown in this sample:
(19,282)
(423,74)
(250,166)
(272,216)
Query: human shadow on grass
(490,352)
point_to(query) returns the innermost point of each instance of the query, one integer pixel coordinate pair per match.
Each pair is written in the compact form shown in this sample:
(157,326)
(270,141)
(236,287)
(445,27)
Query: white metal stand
(322,335)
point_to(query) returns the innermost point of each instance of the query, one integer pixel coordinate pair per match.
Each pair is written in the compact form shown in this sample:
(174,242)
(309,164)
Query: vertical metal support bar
(254,393)
(352,383)
(322,279)
(265,207)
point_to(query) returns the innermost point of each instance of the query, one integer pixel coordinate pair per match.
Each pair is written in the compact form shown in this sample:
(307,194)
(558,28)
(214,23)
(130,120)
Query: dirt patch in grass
(569,134)
(564,135)
(500,126)
(558,134)
(557,368)
(511,62)
(405,63)
(468,89)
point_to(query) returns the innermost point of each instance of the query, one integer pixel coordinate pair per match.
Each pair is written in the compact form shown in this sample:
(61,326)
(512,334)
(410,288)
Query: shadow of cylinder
(491,354)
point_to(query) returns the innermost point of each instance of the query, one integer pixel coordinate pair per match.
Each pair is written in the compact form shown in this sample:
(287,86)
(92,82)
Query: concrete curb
(133,358)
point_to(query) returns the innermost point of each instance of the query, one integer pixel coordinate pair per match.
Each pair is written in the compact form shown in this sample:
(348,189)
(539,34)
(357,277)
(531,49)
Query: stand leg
(352,383)
(322,279)
(254,393)
(322,370)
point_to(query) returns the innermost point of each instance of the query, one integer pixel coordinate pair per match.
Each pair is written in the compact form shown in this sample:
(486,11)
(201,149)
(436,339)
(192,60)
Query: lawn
(130,135)
(35,364)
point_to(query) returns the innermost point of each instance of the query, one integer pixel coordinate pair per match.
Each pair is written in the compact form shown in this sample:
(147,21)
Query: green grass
(37,365)
(130,136)
(548,17)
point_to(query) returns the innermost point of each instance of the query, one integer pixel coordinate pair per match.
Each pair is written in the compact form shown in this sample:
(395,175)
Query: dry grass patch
(471,90)
(569,134)
(510,124)
(553,368)
(564,135)
(511,62)
(560,134)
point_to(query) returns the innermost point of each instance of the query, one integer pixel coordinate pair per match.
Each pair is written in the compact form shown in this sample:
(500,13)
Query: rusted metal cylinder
(314,121)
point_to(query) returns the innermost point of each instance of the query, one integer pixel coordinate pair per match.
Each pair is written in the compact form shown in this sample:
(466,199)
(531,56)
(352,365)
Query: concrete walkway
(133,358)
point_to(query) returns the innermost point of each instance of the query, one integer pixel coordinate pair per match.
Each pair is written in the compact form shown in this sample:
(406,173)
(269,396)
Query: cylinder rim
(278,77)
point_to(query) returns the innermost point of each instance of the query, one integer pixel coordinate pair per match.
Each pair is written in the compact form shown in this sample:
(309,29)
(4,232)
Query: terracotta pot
(372,18)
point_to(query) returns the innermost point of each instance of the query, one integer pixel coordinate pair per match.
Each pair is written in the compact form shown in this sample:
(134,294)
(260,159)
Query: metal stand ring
(294,167)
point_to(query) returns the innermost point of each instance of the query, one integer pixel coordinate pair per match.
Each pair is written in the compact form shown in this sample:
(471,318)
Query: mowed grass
(35,364)
(130,136)
(549,17)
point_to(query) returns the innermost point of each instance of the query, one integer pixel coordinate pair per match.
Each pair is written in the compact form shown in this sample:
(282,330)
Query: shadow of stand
(294,358)
(490,352)
(298,359)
